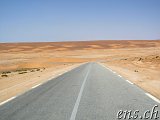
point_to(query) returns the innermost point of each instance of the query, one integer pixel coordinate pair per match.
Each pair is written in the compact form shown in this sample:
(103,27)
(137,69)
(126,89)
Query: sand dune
(60,46)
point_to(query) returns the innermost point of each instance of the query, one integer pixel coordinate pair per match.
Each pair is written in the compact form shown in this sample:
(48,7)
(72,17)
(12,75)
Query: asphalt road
(88,92)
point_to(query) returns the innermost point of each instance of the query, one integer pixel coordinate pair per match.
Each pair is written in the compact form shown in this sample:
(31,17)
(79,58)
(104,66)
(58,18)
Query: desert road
(88,92)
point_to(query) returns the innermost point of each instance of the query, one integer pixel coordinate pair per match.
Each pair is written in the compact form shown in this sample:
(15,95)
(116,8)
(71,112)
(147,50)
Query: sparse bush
(22,72)
(140,59)
(6,72)
(135,70)
(23,69)
(32,71)
(4,75)
(38,69)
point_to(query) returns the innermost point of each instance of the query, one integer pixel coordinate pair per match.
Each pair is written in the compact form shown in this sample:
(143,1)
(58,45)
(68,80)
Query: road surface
(88,92)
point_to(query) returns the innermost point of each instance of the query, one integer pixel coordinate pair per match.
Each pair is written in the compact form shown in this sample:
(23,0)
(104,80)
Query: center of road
(75,109)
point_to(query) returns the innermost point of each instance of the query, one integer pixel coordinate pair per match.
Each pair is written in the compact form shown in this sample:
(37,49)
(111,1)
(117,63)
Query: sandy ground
(24,65)
(139,66)
(16,84)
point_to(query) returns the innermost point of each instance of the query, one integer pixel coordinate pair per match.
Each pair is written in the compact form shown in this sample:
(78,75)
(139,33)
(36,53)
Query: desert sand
(24,65)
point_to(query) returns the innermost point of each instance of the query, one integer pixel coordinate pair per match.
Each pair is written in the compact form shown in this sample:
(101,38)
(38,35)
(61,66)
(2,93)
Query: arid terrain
(24,65)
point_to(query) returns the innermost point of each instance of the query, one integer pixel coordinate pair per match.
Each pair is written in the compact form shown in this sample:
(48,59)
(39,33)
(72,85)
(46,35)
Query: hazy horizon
(54,21)
(72,41)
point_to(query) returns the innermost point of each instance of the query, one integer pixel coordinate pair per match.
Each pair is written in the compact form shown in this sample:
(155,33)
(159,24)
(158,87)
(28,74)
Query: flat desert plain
(24,65)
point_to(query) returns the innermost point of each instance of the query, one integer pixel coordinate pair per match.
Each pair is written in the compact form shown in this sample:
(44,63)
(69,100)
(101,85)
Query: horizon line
(80,41)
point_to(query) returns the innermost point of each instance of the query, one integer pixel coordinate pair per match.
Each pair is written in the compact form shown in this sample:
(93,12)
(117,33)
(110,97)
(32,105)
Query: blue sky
(67,20)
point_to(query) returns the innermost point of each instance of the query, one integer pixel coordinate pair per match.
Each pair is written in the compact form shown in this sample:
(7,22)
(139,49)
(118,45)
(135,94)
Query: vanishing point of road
(88,92)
